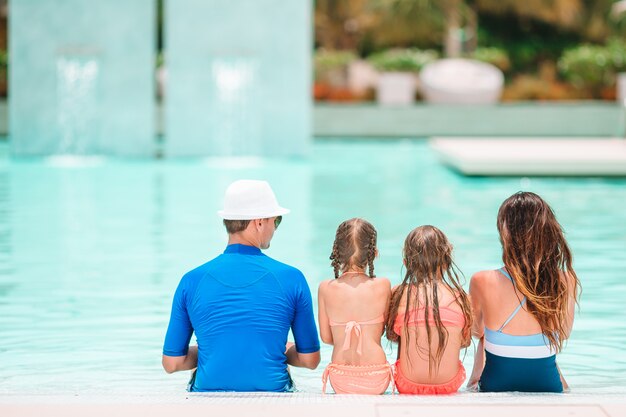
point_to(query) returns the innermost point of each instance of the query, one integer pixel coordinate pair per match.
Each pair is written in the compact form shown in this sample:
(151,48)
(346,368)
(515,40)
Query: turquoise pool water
(92,250)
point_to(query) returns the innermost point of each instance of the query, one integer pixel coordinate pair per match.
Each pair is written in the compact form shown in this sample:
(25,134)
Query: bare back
(354,298)
(495,298)
(501,301)
(414,354)
(497,305)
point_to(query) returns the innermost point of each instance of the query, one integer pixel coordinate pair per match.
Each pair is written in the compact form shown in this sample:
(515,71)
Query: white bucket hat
(250,199)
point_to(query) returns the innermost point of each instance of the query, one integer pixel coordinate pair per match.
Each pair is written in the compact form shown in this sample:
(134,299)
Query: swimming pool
(91,252)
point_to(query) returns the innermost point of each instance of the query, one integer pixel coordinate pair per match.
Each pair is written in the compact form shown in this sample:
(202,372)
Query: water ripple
(91,252)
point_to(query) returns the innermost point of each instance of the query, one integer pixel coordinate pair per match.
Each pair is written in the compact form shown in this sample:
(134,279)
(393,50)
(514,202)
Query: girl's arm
(479,365)
(478,329)
(387,291)
(325,332)
(390,333)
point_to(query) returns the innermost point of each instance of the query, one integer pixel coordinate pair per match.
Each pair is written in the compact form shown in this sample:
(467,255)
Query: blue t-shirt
(241,306)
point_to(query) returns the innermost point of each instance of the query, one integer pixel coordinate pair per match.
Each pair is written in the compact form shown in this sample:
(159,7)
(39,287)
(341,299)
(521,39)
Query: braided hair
(354,246)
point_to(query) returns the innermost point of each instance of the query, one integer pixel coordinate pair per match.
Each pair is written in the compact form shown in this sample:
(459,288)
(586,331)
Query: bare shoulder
(396,288)
(324,285)
(569,278)
(482,280)
(383,282)
(482,277)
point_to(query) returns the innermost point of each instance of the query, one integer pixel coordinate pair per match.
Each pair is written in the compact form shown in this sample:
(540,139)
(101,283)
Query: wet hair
(538,258)
(235,226)
(354,246)
(428,260)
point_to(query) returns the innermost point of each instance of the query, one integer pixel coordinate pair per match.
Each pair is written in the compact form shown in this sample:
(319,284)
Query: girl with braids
(524,311)
(429,317)
(351,315)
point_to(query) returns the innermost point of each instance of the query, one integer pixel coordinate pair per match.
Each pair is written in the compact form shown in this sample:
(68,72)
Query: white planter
(396,88)
(361,77)
(461,81)
(621,88)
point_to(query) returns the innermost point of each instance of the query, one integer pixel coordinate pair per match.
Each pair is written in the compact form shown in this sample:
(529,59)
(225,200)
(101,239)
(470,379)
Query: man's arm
(181,363)
(301,360)
(177,354)
(306,351)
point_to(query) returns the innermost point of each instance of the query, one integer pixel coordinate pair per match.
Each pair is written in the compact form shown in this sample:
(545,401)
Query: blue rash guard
(241,306)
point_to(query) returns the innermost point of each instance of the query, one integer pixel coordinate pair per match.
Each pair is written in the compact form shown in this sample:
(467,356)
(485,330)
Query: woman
(429,316)
(524,311)
(352,313)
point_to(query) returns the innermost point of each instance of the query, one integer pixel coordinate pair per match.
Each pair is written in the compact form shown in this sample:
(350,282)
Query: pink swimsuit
(449,318)
(357,379)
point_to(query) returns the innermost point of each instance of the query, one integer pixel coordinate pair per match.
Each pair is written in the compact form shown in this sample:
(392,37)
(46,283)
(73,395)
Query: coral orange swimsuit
(357,379)
(449,318)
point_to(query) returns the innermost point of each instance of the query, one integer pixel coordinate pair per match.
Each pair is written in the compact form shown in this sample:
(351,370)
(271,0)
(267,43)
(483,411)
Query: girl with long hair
(429,317)
(351,315)
(524,311)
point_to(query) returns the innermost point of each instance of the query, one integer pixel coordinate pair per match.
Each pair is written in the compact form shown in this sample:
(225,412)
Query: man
(241,306)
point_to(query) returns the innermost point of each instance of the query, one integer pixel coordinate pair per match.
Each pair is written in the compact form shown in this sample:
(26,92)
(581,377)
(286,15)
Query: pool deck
(369,120)
(537,156)
(316,405)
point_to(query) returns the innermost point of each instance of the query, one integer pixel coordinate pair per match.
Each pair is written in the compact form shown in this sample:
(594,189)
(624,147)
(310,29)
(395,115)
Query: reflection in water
(77,92)
(158,225)
(236,112)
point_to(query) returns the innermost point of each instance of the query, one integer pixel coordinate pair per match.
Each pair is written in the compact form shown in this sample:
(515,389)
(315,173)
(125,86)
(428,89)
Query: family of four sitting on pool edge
(242,304)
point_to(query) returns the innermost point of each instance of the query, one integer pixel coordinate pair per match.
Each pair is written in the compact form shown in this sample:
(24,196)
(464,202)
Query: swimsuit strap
(417,316)
(521,304)
(356,327)
(377,320)
(506,274)
(353,325)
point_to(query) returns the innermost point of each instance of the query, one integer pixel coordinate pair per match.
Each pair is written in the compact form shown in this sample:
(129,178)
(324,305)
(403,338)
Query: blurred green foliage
(525,39)
(617,53)
(4,59)
(587,66)
(594,66)
(402,60)
(528,43)
(325,59)
(494,56)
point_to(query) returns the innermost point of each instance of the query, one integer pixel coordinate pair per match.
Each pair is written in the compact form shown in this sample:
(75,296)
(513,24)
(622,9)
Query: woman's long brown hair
(354,245)
(538,258)
(428,260)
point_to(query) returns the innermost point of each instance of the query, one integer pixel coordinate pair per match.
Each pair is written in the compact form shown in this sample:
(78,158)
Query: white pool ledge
(533,156)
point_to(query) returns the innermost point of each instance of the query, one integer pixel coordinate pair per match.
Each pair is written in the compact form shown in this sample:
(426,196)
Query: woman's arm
(571,304)
(322,317)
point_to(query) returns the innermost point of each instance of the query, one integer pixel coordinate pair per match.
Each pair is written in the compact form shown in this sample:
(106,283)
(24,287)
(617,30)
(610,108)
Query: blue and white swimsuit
(518,363)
